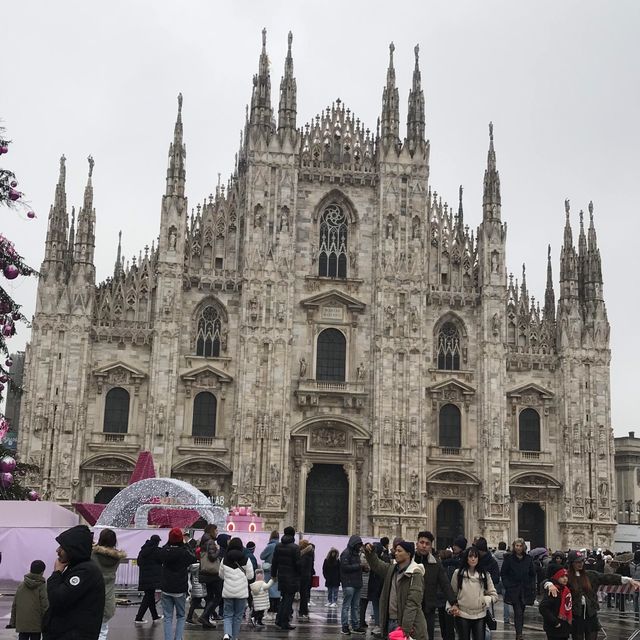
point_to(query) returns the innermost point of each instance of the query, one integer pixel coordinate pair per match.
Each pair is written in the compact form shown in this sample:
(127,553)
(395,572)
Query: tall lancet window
(449,347)
(208,337)
(332,258)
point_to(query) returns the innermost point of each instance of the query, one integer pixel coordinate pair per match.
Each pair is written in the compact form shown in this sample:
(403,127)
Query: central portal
(327,500)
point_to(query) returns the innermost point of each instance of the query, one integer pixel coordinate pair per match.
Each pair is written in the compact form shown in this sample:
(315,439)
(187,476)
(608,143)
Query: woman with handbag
(475,593)
(209,575)
(519,581)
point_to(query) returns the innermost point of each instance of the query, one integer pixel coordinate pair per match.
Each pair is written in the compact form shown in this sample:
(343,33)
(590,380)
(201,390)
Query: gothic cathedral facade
(325,340)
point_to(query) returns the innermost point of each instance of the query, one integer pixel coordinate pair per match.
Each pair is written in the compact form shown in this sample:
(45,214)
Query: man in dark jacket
(150,573)
(351,580)
(487,562)
(75,589)
(285,567)
(435,582)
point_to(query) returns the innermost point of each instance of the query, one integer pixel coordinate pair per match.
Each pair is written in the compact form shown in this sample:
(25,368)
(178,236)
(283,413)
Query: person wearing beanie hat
(176,560)
(30,604)
(351,580)
(75,589)
(459,545)
(285,568)
(584,585)
(557,612)
(519,581)
(149,577)
(402,590)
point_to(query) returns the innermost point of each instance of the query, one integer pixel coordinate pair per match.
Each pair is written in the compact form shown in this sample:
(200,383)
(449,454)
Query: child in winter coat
(557,613)
(30,603)
(260,592)
(198,592)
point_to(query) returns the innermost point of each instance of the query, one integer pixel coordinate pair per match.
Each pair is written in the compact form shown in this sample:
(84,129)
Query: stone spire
(261,112)
(594,263)
(390,120)
(582,259)
(68,259)
(568,261)
(56,240)
(491,200)
(416,117)
(287,106)
(86,241)
(117,269)
(549,295)
(176,171)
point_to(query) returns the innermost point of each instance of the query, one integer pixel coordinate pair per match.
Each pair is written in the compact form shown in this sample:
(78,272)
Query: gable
(205,374)
(333,298)
(529,389)
(452,386)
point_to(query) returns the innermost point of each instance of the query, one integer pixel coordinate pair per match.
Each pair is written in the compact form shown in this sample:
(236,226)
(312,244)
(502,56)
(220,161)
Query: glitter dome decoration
(121,511)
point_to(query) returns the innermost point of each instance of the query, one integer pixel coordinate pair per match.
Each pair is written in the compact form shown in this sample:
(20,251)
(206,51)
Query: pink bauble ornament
(14,195)
(14,183)
(16,315)
(3,378)
(7,330)
(4,150)
(31,215)
(1,387)
(7,464)
(33,495)
(11,272)
(8,362)
(6,480)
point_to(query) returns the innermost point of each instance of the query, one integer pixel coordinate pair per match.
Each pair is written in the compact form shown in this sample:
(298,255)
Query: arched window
(332,254)
(450,427)
(116,411)
(529,430)
(331,355)
(208,337)
(449,347)
(204,415)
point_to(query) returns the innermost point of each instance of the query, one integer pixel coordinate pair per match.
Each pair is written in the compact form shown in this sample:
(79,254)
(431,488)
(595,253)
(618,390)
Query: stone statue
(303,367)
(361,372)
(173,237)
(275,478)
(495,324)
(415,480)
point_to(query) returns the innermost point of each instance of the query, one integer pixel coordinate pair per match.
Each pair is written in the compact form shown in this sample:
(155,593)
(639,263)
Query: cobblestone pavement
(323,623)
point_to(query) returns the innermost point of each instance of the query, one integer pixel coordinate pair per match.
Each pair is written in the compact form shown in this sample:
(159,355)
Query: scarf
(566,603)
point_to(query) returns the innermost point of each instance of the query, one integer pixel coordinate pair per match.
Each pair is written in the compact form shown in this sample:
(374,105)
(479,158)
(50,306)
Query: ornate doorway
(449,523)
(532,524)
(327,500)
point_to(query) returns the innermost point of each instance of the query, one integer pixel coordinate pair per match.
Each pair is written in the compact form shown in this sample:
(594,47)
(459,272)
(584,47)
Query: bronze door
(449,523)
(532,524)
(327,500)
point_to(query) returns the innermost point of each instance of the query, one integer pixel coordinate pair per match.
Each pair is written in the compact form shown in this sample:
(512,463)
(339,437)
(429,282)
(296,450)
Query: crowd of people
(408,584)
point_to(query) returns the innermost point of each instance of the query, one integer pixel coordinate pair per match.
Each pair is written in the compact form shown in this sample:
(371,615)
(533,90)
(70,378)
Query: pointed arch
(209,331)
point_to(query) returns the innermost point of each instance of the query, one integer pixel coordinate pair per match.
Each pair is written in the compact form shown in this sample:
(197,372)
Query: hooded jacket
(236,570)
(176,559)
(150,566)
(29,604)
(285,565)
(473,598)
(350,565)
(409,591)
(108,559)
(76,595)
(549,609)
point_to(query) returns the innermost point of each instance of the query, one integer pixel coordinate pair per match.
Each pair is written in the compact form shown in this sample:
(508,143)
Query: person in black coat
(75,589)
(519,581)
(557,612)
(149,576)
(331,573)
(285,568)
(307,571)
(177,557)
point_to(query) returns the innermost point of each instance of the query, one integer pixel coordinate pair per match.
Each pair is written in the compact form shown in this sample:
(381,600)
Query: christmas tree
(12,266)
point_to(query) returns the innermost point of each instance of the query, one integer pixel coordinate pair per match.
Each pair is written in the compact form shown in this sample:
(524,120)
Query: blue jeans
(233,612)
(169,603)
(332,594)
(350,604)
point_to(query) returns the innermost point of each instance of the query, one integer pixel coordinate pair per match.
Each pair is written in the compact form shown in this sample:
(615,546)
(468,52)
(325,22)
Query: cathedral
(326,340)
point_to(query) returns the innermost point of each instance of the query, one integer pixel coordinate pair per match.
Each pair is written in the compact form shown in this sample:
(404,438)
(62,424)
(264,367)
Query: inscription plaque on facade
(332,312)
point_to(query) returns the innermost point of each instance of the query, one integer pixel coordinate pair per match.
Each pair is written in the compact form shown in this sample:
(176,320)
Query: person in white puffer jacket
(236,570)
(260,593)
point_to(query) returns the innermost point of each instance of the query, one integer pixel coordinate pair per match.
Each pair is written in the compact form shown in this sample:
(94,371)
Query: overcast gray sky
(559,79)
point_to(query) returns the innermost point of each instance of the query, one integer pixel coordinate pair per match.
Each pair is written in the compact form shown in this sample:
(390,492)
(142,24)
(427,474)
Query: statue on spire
(91,163)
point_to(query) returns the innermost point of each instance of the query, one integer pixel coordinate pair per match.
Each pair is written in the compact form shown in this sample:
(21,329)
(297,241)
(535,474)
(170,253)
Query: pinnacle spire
(261,111)
(118,266)
(416,117)
(390,112)
(176,172)
(85,240)
(57,238)
(568,260)
(593,274)
(491,199)
(288,89)
(549,295)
